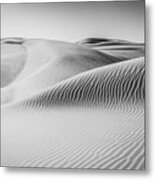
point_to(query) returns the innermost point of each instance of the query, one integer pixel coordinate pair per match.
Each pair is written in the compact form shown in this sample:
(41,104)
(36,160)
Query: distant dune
(63,54)
(73,105)
(121,49)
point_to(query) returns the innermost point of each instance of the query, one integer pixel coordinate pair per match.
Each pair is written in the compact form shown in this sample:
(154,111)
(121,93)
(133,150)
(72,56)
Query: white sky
(74,21)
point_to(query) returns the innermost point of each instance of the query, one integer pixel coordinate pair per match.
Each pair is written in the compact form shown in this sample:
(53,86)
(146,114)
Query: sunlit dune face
(37,64)
(13,58)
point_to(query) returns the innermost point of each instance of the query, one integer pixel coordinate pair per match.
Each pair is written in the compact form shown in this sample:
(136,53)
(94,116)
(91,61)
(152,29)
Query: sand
(13,58)
(73,138)
(74,105)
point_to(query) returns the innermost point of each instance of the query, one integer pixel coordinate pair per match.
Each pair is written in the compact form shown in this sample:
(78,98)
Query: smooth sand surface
(13,58)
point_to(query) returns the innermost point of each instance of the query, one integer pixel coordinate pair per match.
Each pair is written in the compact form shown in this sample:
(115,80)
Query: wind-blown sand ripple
(106,86)
(50,62)
(73,138)
(71,106)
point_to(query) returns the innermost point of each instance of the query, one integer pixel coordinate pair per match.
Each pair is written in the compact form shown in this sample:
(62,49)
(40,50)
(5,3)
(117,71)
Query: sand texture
(72,105)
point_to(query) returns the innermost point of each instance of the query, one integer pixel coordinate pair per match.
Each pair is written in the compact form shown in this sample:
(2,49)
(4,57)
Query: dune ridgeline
(36,72)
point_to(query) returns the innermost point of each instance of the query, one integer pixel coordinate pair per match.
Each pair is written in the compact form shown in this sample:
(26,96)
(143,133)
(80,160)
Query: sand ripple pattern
(74,138)
(74,105)
(108,86)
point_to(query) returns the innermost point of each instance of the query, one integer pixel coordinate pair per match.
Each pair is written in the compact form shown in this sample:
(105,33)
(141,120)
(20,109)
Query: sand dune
(109,85)
(48,63)
(13,40)
(67,105)
(41,52)
(13,58)
(121,49)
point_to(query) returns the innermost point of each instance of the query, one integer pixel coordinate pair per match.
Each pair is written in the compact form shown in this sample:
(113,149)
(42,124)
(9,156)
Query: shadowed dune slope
(121,49)
(33,54)
(109,85)
(60,54)
(13,58)
(14,40)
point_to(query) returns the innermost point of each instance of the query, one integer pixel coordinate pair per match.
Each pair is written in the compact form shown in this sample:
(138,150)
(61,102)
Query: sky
(74,21)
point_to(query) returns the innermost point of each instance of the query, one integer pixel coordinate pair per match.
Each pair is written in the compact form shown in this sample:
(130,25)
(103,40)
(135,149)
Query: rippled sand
(74,138)
(73,105)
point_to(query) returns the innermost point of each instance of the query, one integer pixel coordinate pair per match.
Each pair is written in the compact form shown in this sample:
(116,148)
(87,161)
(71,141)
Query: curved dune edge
(50,62)
(13,59)
(121,49)
(110,85)
(41,52)
(107,42)
(12,40)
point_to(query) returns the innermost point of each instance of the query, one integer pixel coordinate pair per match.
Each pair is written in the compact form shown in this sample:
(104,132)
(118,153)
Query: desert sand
(73,105)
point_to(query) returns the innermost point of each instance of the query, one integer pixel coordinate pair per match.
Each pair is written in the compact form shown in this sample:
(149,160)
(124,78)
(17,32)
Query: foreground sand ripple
(74,138)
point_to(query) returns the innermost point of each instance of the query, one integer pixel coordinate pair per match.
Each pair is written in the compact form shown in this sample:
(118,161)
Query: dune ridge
(12,40)
(13,58)
(50,62)
(121,49)
(46,63)
(40,52)
(108,85)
